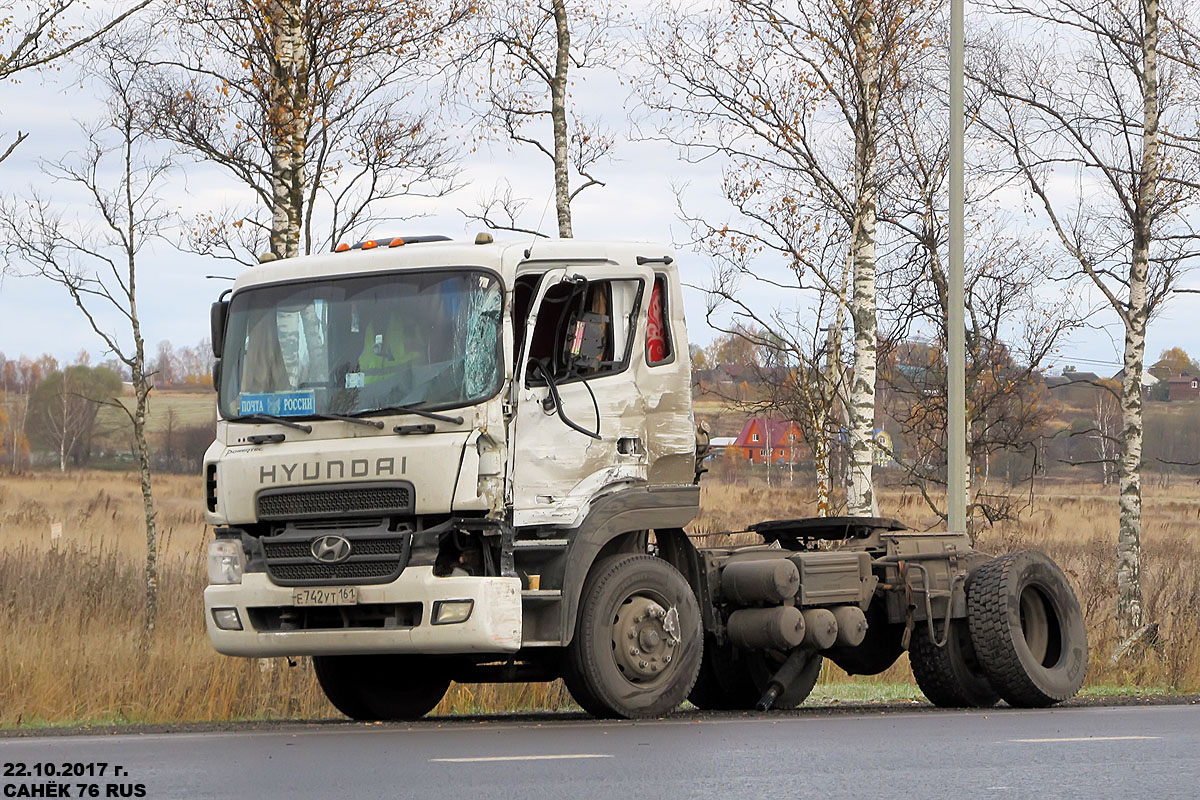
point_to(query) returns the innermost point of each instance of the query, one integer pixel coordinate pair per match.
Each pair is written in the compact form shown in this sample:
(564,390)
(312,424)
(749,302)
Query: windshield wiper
(268,418)
(413,409)
(374,423)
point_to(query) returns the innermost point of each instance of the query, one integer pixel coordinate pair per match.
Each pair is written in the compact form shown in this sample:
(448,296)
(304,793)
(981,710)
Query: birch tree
(523,56)
(792,100)
(1094,100)
(1106,434)
(65,406)
(312,105)
(96,258)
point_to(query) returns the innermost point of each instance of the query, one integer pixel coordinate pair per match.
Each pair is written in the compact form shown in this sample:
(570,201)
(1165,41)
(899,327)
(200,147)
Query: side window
(524,290)
(659,347)
(584,330)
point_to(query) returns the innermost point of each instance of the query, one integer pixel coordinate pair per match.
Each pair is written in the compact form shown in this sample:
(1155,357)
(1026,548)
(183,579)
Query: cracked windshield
(354,345)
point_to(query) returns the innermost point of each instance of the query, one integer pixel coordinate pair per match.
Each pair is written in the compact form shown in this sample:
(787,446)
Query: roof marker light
(341,248)
(370,244)
(396,242)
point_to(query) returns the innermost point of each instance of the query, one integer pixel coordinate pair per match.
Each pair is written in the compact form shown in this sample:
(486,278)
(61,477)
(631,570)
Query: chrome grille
(376,555)
(301,549)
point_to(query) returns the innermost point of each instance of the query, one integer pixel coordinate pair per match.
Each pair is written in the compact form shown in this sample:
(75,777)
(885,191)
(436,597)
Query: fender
(627,511)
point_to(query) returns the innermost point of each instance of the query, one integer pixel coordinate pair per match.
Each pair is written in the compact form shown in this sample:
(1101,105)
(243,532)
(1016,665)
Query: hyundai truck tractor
(445,461)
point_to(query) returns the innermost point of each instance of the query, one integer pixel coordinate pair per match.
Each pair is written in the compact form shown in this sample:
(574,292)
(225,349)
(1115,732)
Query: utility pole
(956,357)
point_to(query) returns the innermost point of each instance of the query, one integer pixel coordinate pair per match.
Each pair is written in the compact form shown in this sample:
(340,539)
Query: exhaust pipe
(797,660)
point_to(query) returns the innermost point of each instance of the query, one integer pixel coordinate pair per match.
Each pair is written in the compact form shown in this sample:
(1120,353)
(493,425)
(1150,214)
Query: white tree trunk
(65,426)
(1130,609)
(558,116)
(287,122)
(18,431)
(142,390)
(1129,536)
(860,499)
(821,459)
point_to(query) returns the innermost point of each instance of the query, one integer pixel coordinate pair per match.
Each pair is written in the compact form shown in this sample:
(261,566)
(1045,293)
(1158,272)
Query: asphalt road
(1124,752)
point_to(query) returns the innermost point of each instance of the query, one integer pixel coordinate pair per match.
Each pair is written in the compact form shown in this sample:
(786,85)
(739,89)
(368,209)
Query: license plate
(323,596)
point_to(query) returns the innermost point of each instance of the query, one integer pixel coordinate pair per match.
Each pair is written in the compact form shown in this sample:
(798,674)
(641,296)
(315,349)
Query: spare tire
(1027,629)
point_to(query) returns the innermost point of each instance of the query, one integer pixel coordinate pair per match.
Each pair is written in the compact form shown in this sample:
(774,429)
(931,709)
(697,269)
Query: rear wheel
(767,664)
(386,687)
(736,683)
(724,683)
(950,676)
(1027,629)
(878,651)
(638,642)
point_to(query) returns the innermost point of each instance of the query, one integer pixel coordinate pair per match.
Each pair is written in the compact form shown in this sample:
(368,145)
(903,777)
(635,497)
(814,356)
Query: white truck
(475,461)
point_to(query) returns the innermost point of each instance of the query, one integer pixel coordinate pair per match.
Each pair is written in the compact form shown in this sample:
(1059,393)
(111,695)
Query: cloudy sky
(638,203)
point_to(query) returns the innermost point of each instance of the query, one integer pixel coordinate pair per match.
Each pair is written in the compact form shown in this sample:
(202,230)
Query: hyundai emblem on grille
(330,549)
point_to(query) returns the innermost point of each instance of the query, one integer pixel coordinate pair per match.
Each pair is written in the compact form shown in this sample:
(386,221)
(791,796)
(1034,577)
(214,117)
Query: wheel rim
(645,636)
(1040,627)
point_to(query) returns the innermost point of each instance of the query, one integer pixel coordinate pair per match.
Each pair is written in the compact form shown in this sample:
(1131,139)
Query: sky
(638,202)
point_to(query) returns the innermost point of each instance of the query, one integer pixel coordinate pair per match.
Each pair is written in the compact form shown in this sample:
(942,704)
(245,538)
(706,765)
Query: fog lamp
(227,619)
(449,612)
(225,561)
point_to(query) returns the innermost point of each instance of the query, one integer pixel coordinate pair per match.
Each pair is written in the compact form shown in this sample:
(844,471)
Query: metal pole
(956,390)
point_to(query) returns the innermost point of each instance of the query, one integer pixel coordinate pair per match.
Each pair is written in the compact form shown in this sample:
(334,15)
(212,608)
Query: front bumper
(493,627)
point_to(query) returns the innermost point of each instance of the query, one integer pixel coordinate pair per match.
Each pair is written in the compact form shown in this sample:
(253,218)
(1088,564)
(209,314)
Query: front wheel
(638,642)
(382,687)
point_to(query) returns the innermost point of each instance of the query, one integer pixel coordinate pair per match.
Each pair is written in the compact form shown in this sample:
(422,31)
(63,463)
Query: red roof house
(776,440)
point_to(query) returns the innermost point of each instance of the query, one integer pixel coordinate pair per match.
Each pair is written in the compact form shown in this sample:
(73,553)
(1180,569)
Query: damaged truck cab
(443,460)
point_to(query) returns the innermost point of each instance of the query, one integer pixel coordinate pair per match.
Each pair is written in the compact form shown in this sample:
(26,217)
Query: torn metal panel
(643,411)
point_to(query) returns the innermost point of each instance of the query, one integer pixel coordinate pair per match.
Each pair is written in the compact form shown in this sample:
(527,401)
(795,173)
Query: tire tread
(933,668)
(988,610)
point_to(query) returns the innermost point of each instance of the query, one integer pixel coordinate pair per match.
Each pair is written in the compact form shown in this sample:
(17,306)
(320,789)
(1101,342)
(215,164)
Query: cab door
(579,422)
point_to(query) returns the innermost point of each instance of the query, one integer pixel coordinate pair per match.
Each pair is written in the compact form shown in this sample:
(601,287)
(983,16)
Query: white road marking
(557,757)
(1086,739)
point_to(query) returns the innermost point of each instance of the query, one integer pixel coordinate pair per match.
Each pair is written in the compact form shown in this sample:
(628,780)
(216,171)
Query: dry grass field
(188,408)
(70,648)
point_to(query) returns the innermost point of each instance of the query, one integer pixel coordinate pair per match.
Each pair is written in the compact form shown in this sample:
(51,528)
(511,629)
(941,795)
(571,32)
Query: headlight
(226,561)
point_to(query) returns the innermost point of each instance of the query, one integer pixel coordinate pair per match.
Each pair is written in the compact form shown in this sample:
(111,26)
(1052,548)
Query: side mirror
(216,374)
(218,315)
